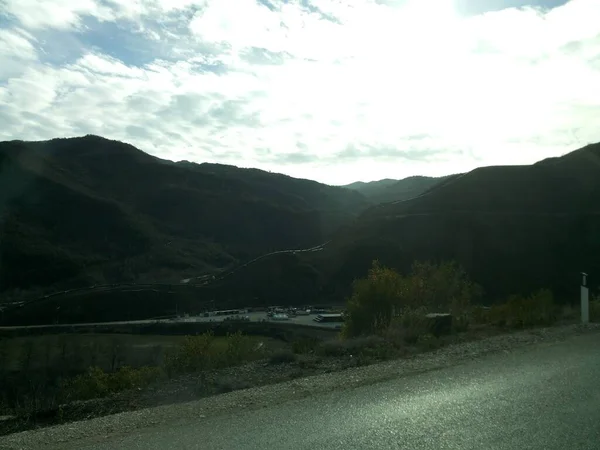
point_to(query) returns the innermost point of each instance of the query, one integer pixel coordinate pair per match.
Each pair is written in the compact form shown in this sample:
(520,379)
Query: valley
(227,237)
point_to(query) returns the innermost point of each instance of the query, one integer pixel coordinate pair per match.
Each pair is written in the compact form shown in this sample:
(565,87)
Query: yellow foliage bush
(95,383)
(537,309)
(385,295)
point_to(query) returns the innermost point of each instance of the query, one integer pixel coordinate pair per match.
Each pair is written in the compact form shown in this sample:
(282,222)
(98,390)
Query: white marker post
(585,301)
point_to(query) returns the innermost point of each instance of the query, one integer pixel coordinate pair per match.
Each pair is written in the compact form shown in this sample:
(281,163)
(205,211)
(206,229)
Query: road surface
(539,397)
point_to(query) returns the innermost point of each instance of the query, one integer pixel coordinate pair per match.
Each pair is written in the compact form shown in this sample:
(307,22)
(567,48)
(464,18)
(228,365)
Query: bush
(481,315)
(92,384)
(519,312)
(333,348)
(428,342)
(374,301)
(385,295)
(595,308)
(95,383)
(304,345)
(366,345)
(239,348)
(191,355)
(461,323)
(129,378)
(569,312)
(410,325)
(443,287)
(203,352)
(282,357)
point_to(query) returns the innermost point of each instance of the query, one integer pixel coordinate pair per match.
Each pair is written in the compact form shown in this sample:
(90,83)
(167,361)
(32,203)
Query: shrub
(569,312)
(518,312)
(95,383)
(595,308)
(365,345)
(443,287)
(496,315)
(92,384)
(374,301)
(481,314)
(461,323)
(304,345)
(411,324)
(192,355)
(203,352)
(282,357)
(239,348)
(427,342)
(129,378)
(384,295)
(333,348)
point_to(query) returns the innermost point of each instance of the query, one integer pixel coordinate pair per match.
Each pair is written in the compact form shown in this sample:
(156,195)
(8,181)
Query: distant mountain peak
(389,190)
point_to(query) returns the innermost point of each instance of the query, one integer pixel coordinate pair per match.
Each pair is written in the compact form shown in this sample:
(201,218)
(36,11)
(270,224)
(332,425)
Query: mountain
(369,186)
(514,228)
(389,190)
(80,211)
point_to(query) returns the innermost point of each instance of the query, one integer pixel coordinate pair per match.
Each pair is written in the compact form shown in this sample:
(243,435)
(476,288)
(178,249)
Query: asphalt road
(541,397)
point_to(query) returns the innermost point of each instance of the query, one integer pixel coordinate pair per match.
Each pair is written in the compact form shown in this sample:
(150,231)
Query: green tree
(443,287)
(375,300)
(385,295)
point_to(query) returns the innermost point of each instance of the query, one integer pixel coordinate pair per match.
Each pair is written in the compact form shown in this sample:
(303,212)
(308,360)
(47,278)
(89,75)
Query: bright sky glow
(323,89)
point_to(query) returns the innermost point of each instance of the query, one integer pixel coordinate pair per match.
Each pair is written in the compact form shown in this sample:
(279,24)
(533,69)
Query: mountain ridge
(390,190)
(515,229)
(85,194)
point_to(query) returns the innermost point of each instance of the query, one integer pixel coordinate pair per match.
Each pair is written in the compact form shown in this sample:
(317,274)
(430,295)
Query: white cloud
(411,88)
(60,14)
(67,14)
(16,52)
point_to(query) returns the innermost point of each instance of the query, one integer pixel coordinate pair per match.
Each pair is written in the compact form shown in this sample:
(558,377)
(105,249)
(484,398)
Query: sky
(330,90)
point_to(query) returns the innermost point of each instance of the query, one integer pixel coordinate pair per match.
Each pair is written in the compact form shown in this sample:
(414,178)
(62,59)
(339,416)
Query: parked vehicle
(329,318)
(281,317)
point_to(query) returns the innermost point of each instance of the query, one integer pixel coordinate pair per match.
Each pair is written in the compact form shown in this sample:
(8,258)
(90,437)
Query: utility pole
(585,300)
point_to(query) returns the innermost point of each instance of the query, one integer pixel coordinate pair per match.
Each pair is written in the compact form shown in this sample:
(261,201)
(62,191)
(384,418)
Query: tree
(375,300)
(385,295)
(444,287)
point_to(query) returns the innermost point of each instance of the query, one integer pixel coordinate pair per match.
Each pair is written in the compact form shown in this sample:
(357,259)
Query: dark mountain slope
(514,228)
(569,183)
(85,210)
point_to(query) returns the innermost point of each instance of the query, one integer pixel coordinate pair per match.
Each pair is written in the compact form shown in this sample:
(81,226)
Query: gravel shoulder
(69,435)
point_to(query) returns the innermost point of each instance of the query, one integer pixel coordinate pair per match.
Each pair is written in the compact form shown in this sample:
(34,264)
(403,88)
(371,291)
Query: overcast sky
(336,91)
